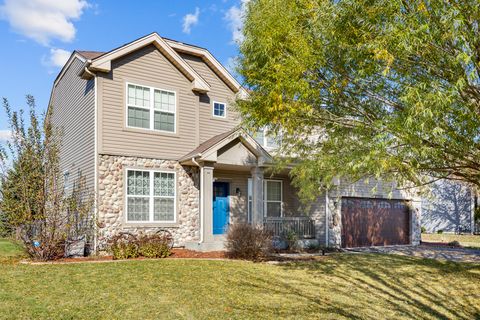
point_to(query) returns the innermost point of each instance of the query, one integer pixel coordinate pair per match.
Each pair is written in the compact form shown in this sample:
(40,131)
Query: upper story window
(265,139)
(219,109)
(150,108)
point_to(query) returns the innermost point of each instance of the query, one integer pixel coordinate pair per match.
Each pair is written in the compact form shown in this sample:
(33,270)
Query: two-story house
(151,127)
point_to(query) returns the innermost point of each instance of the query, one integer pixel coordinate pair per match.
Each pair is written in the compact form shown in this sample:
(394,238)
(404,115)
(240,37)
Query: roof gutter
(85,73)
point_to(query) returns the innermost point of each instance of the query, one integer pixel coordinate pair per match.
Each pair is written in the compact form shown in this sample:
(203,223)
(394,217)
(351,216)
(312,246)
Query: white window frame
(249,199)
(265,201)
(224,110)
(151,197)
(265,139)
(151,108)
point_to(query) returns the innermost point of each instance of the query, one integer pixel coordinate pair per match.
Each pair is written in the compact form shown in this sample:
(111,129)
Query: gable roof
(89,55)
(212,62)
(212,145)
(207,145)
(103,62)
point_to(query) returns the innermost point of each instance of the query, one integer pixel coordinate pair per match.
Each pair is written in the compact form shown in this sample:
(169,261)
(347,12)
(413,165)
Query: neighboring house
(449,208)
(150,126)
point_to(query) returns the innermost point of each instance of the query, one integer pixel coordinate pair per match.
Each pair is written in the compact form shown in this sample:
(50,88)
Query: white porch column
(257,196)
(207,195)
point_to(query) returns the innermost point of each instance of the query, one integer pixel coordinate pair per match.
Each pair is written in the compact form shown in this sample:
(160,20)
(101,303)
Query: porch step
(205,246)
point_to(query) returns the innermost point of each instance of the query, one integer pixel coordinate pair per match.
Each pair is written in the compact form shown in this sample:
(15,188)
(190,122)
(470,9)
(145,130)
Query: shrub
(291,238)
(455,244)
(423,229)
(124,246)
(128,246)
(245,241)
(440,231)
(153,246)
(312,246)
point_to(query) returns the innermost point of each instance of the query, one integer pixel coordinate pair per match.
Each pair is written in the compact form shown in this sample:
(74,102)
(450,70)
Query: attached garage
(374,222)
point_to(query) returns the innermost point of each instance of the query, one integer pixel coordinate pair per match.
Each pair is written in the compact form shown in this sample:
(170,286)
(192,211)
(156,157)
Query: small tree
(33,199)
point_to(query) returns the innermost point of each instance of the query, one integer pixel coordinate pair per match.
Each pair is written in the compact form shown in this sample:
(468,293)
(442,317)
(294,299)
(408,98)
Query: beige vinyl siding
(219,92)
(148,67)
(74,114)
(238,204)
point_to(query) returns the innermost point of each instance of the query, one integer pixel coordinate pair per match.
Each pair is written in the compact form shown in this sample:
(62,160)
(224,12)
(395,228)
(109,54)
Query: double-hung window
(219,109)
(151,196)
(266,139)
(272,192)
(150,108)
(272,198)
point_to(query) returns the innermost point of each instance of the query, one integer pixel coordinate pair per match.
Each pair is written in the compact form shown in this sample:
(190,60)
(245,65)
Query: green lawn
(341,286)
(465,240)
(9,249)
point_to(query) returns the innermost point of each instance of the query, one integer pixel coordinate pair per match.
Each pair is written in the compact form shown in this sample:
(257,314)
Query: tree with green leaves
(359,88)
(33,200)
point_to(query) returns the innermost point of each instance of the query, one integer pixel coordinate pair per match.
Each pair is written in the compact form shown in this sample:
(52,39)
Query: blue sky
(38,36)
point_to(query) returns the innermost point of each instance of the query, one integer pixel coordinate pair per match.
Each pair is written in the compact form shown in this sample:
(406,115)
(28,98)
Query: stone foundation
(111,196)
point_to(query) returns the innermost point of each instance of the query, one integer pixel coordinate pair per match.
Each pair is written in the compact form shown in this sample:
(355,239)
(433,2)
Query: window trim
(151,108)
(265,201)
(249,199)
(224,110)
(264,143)
(151,197)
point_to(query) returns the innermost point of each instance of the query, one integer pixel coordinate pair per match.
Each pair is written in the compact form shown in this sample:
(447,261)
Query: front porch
(235,189)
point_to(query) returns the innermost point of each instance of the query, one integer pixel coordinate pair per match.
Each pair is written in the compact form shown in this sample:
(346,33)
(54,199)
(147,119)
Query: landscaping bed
(177,253)
(443,239)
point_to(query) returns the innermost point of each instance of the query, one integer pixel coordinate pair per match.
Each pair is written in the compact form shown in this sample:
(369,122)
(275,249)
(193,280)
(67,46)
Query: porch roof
(204,151)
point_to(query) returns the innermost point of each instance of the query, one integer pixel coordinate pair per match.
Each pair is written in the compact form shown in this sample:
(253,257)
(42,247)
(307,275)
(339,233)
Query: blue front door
(221,207)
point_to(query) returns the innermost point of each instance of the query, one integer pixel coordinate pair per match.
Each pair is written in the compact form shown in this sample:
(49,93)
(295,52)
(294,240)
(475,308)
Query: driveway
(427,251)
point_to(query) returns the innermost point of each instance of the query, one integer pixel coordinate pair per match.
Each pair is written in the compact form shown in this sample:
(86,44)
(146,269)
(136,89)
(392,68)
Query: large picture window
(150,108)
(151,196)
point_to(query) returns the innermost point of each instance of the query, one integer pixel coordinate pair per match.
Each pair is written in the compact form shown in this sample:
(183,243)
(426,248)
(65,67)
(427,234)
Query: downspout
(327,218)
(201,197)
(95,168)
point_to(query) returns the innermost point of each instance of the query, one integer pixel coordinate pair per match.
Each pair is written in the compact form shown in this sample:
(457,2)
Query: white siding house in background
(449,208)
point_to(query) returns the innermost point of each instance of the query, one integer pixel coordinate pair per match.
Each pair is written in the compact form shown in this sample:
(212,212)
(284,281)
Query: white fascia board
(103,63)
(213,62)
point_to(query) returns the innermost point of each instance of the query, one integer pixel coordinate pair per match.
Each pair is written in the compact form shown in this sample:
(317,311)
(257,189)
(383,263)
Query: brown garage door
(374,222)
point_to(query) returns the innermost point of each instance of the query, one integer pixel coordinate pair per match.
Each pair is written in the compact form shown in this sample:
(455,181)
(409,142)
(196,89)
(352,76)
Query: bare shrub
(245,241)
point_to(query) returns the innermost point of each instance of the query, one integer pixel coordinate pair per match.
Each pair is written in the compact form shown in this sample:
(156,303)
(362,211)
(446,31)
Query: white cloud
(190,20)
(5,135)
(231,65)
(43,20)
(234,16)
(58,57)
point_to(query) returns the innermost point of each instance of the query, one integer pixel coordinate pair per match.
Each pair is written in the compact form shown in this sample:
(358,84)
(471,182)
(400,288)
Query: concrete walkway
(427,251)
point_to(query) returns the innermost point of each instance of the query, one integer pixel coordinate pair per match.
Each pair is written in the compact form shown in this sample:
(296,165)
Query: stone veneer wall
(111,216)
(369,189)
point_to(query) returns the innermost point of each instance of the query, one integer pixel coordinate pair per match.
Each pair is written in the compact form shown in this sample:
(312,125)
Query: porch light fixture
(238,192)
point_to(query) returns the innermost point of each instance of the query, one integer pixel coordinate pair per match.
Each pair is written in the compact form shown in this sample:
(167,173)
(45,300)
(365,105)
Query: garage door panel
(374,222)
